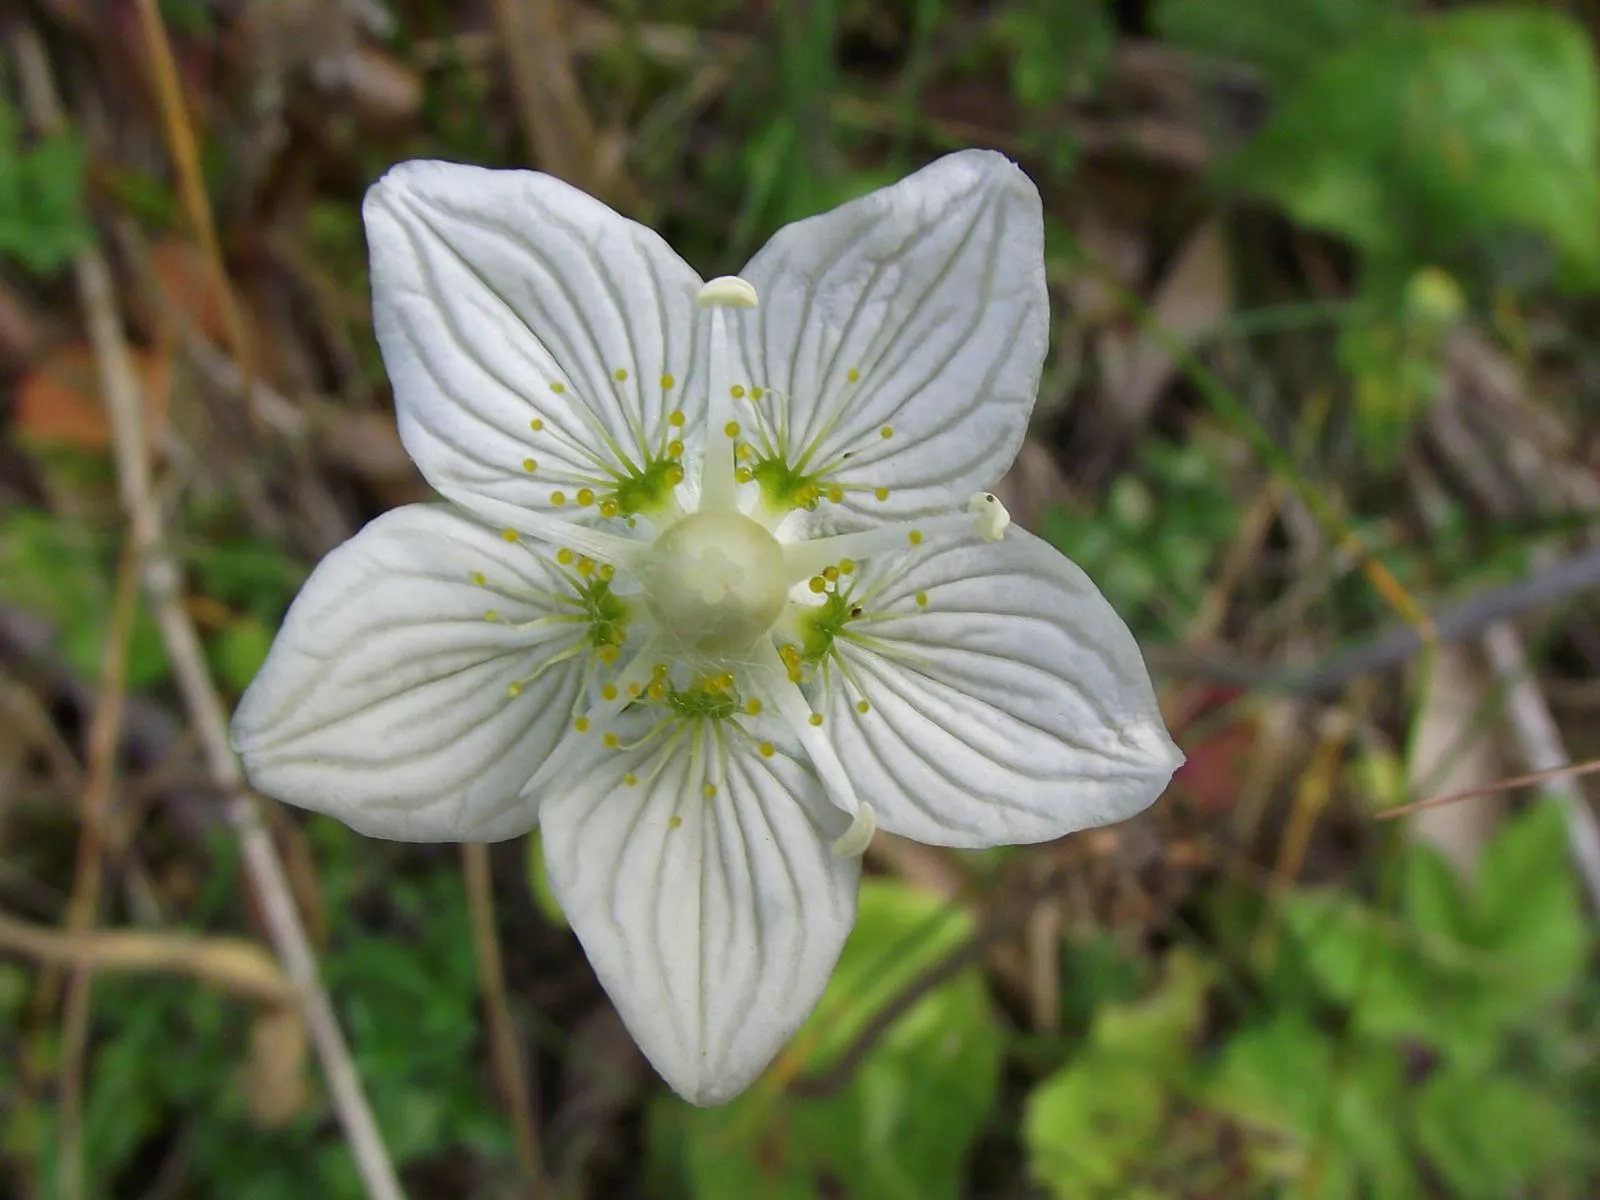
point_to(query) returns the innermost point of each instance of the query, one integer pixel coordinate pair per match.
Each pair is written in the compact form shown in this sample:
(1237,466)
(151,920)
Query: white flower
(714,595)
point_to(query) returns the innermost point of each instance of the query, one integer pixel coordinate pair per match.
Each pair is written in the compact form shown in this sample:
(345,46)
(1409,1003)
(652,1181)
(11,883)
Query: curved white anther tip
(853,842)
(729,291)
(992,517)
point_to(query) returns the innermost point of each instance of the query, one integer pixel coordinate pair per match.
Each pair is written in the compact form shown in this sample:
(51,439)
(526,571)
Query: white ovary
(715,582)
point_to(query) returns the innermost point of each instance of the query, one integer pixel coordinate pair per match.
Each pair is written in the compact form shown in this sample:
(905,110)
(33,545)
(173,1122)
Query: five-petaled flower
(715,592)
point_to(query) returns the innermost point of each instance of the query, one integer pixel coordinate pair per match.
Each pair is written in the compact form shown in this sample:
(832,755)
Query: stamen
(792,707)
(984,514)
(716,473)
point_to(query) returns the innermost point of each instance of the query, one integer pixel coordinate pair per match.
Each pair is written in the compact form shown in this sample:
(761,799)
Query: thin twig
(120,389)
(1489,789)
(507,1050)
(1542,749)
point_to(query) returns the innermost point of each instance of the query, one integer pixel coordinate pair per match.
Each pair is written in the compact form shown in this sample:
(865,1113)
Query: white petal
(1013,707)
(384,701)
(714,937)
(490,287)
(933,291)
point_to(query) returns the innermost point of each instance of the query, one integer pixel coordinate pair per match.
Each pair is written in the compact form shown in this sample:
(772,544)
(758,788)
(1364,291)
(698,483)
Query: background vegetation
(1323,372)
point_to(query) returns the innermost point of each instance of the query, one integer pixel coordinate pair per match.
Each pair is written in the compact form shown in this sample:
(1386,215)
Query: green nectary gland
(819,627)
(606,611)
(783,487)
(698,702)
(648,490)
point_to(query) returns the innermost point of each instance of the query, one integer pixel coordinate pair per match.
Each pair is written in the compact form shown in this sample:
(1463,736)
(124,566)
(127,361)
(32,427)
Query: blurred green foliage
(42,218)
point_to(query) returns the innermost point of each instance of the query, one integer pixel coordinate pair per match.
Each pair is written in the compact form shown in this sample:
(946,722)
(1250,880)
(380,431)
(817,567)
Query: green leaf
(1089,1126)
(1298,1095)
(1441,131)
(42,222)
(240,650)
(1531,916)
(901,1129)
(1491,1135)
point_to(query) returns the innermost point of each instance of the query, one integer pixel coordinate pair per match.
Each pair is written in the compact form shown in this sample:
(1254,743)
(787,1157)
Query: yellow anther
(558,388)
(725,681)
(510,535)
(752,705)
(607,571)
(558,498)
(731,429)
(846,566)
(815,718)
(629,779)
(611,741)
(737,392)
(886,432)
(676,822)
(585,497)
(608,507)
(564,556)
(620,375)
(835,493)
(766,749)
(756,393)
(742,451)
(831,574)
(656,691)
(744,475)
(818,584)
(675,419)
(609,692)
(880,494)
(666,383)
(862,706)
(708,791)
(530,465)
(581,724)
(794,675)
(476,579)
(491,614)
(675,448)
(513,689)
(915,537)
(807,494)
(536,424)
(853,375)
(674,475)
(659,671)
(922,599)
(634,689)
(585,565)
(607,654)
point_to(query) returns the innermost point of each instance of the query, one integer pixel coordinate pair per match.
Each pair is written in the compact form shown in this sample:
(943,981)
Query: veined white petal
(920,309)
(386,699)
(712,920)
(1010,706)
(505,299)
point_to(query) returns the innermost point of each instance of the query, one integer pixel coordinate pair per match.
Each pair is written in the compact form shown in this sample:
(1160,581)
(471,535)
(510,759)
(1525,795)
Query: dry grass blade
(161,577)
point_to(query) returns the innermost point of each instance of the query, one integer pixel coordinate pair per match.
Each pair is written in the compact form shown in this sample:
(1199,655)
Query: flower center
(715,581)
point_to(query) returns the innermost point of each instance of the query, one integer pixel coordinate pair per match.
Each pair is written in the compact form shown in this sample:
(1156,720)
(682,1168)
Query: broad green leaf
(1443,130)
(1088,1127)
(1491,1135)
(902,1127)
